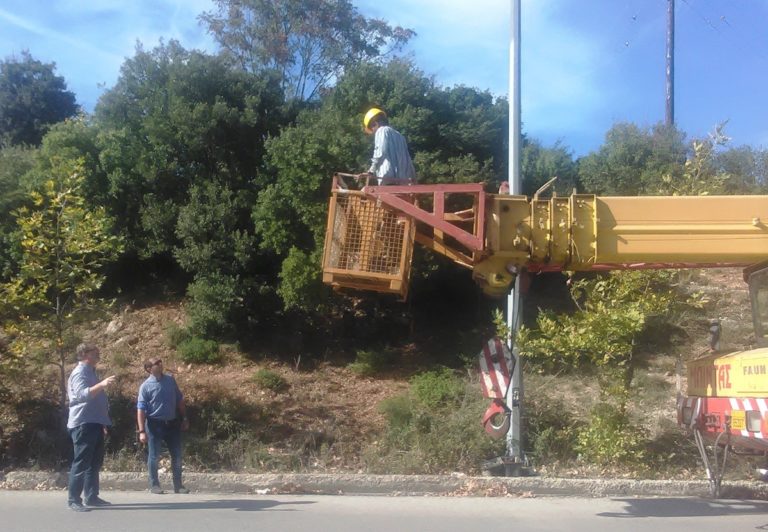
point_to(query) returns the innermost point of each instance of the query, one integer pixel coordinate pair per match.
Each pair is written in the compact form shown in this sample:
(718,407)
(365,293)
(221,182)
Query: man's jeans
(88,441)
(168,432)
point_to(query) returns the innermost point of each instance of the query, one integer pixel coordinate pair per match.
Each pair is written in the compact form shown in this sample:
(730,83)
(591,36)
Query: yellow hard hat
(372,112)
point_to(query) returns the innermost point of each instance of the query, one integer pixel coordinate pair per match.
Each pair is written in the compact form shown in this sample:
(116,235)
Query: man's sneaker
(156,490)
(97,501)
(181,490)
(77,507)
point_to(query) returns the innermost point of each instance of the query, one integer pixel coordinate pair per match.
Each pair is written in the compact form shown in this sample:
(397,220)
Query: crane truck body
(372,230)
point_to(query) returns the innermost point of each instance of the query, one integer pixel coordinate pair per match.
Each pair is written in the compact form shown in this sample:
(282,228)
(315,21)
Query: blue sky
(586,64)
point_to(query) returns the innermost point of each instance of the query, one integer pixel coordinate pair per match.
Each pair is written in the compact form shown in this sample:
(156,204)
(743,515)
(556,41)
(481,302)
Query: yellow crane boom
(586,232)
(371,233)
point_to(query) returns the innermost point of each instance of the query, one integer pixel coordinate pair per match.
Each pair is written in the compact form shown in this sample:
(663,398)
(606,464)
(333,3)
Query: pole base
(506,466)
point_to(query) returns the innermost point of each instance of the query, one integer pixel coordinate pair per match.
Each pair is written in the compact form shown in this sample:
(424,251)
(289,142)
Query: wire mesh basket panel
(367,245)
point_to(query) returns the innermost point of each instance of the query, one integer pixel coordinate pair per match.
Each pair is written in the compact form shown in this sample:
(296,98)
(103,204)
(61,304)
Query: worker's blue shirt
(159,398)
(84,407)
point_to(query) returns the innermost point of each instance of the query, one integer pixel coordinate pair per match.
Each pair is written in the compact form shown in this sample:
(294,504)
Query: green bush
(212,299)
(550,430)
(199,351)
(222,419)
(397,410)
(301,284)
(437,388)
(444,436)
(266,378)
(611,439)
(120,358)
(226,437)
(176,334)
(369,363)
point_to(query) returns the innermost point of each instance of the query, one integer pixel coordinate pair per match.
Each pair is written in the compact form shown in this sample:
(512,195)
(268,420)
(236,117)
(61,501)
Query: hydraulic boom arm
(371,233)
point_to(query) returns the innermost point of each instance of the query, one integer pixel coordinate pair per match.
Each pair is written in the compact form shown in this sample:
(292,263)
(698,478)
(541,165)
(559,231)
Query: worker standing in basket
(391,163)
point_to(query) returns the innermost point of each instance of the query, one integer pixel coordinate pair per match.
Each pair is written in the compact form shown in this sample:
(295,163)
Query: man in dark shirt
(87,423)
(161,416)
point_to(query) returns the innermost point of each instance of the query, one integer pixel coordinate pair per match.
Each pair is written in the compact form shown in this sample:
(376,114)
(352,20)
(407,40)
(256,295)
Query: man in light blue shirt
(161,416)
(391,162)
(87,425)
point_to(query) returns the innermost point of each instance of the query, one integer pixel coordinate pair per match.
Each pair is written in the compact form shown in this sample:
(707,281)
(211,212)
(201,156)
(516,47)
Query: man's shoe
(77,507)
(156,490)
(182,490)
(97,501)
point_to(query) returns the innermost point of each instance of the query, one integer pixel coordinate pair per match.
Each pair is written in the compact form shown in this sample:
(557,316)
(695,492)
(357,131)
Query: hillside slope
(327,416)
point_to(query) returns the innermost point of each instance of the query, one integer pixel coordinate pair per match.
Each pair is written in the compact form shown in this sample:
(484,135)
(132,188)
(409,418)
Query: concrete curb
(454,485)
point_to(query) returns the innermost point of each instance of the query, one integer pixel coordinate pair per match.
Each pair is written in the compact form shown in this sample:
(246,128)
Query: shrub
(368,363)
(397,410)
(437,388)
(212,299)
(300,281)
(176,334)
(266,378)
(550,430)
(120,358)
(223,419)
(611,438)
(444,436)
(199,351)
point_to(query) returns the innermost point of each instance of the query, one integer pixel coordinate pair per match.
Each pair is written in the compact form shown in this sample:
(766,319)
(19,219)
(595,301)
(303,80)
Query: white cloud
(49,33)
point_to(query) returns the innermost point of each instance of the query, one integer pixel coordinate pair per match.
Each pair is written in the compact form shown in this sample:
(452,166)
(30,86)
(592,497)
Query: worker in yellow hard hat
(391,163)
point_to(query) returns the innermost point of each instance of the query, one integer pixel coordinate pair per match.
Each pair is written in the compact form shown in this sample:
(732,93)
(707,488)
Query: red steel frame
(404,199)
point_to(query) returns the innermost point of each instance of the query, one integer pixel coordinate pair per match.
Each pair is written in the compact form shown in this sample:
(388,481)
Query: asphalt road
(140,511)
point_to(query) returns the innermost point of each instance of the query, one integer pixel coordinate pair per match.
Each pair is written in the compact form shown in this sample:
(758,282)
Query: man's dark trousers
(88,442)
(168,432)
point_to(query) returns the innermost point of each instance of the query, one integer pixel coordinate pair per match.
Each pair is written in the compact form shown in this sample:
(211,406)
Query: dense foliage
(210,174)
(64,246)
(32,98)
(309,43)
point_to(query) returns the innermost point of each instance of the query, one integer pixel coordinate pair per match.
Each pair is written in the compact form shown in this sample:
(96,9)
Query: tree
(64,248)
(308,42)
(176,120)
(700,175)
(32,98)
(182,138)
(748,168)
(74,138)
(540,164)
(15,162)
(632,160)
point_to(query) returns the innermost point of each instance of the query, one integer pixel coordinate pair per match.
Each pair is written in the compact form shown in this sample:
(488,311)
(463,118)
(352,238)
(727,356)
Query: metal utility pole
(670,111)
(514,303)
